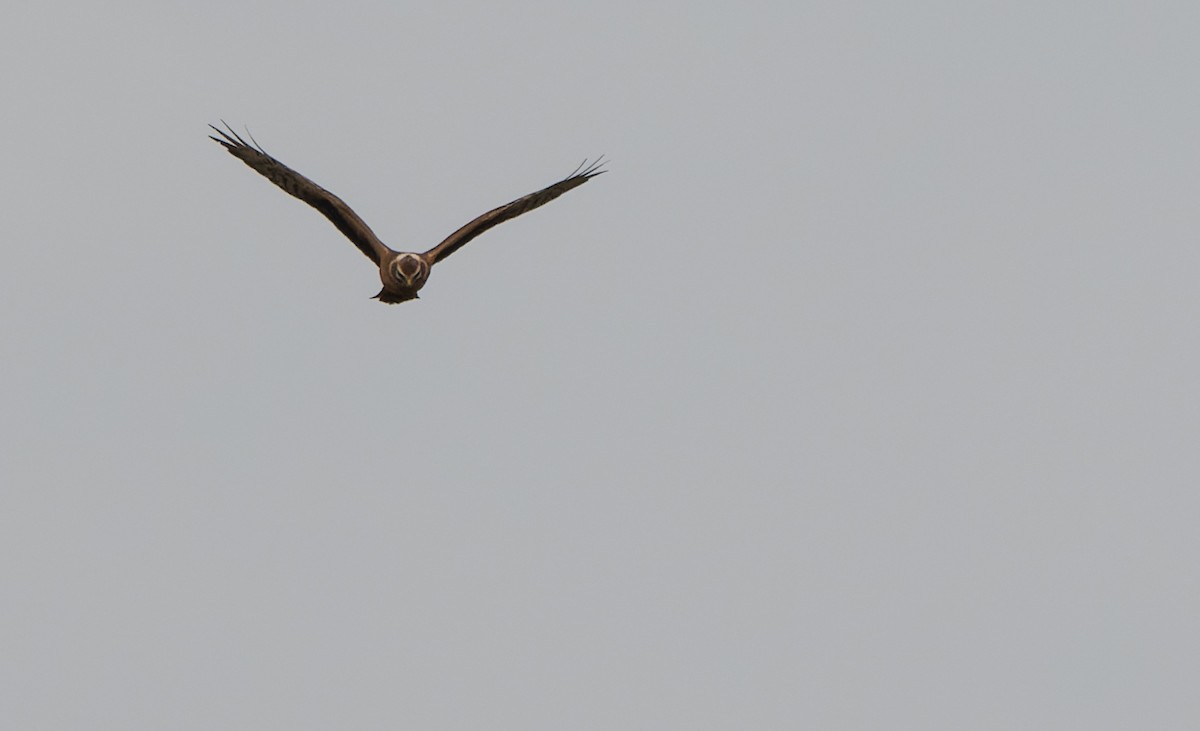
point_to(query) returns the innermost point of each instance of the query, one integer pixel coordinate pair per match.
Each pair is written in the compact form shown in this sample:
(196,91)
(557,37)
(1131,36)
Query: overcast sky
(859,394)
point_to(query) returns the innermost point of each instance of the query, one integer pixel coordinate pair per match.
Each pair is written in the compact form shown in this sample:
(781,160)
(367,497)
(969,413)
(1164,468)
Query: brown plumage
(403,273)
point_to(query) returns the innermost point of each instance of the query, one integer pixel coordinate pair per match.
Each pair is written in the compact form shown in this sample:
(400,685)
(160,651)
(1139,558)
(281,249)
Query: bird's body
(402,277)
(402,273)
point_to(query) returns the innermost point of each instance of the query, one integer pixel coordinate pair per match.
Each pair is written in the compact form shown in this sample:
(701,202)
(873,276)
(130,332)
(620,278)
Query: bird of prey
(403,273)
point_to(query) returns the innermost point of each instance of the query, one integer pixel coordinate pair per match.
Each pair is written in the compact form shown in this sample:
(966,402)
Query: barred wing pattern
(293,183)
(497,216)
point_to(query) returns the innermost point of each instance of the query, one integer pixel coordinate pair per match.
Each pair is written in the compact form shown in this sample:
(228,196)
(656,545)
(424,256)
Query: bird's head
(410,269)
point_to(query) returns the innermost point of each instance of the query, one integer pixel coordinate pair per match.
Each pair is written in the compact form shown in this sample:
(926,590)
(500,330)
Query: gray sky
(860,394)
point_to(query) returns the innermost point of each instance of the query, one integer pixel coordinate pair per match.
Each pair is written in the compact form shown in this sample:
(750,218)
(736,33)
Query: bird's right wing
(293,183)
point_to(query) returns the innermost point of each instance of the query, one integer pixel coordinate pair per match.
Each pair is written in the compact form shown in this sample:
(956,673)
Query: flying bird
(403,273)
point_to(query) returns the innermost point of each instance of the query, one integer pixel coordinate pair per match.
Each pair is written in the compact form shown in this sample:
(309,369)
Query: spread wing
(292,182)
(496,216)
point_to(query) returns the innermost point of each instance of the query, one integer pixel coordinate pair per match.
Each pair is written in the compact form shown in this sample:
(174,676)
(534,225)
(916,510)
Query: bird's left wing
(496,216)
(292,182)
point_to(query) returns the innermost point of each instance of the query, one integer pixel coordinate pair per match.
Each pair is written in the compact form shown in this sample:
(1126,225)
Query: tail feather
(394,298)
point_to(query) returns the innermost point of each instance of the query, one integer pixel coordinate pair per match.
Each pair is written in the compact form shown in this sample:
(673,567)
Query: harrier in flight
(403,273)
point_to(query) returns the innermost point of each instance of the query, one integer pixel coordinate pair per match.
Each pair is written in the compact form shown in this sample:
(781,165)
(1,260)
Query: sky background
(859,394)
